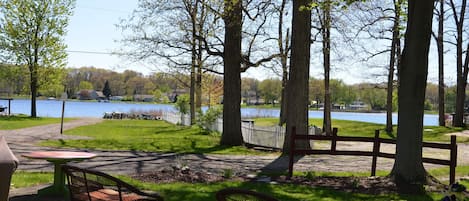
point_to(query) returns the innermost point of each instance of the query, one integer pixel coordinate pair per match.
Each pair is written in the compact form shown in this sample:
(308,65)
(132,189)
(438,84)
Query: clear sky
(92,33)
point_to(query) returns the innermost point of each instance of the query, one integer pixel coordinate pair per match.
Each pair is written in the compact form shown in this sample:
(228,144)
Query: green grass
(364,129)
(21,121)
(22,179)
(284,192)
(152,136)
(206,191)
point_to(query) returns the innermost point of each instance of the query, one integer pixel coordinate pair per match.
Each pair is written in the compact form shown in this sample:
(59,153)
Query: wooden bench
(91,185)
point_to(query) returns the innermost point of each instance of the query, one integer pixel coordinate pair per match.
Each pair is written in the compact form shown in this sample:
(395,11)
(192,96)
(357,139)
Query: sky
(92,35)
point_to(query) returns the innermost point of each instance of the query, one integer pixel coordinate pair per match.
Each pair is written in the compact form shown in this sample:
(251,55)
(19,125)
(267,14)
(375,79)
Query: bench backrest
(86,184)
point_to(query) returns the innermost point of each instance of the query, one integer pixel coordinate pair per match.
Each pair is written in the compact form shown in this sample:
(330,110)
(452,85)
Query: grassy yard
(206,191)
(144,135)
(21,121)
(354,128)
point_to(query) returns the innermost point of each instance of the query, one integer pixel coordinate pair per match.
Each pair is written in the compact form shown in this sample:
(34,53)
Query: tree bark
(392,64)
(232,74)
(297,100)
(193,9)
(326,50)
(408,170)
(283,49)
(461,80)
(33,86)
(441,81)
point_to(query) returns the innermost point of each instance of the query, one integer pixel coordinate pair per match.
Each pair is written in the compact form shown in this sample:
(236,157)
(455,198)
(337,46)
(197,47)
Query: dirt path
(132,162)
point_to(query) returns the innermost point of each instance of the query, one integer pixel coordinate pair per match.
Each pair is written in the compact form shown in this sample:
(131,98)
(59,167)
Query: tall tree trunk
(326,51)
(392,64)
(33,86)
(198,81)
(232,74)
(461,80)
(200,64)
(441,81)
(283,45)
(297,100)
(284,95)
(408,170)
(193,13)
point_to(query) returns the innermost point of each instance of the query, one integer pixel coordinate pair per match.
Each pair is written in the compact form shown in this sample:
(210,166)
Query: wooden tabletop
(68,155)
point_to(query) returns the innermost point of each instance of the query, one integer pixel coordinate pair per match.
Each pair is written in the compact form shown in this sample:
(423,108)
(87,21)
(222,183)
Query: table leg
(58,188)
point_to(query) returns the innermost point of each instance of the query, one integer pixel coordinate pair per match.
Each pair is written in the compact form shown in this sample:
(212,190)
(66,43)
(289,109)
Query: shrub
(206,119)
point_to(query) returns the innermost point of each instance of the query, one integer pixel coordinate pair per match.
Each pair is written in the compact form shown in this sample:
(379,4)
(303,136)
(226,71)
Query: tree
(408,171)
(31,34)
(394,59)
(325,20)
(107,90)
(462,65)
(86,85)
(284,50)
(270,90)
(184,21)
(182,105)
(297,98)
(232,73)
(440,47)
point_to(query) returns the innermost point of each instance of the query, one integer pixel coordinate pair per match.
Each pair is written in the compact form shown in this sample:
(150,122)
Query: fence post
(453,160)
(334,140)
(291,153)
(376,146)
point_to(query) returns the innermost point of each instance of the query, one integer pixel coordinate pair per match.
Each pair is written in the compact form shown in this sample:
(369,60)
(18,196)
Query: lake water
(52,108)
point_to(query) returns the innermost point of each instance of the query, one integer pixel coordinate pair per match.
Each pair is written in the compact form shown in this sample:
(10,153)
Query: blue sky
(92,29)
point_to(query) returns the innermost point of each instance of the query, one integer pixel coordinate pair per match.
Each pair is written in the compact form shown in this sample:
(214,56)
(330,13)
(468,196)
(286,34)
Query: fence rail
(377,141)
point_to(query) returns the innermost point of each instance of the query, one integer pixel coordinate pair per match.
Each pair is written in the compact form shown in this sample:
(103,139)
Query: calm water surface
(52,108)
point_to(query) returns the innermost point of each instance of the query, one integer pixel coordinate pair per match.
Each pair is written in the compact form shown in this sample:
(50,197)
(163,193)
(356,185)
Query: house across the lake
(358,105)
(144,98)
(90,95)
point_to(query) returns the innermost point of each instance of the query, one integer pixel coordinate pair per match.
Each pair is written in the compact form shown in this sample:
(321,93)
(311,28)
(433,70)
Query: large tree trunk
(441,78)
(297,100)
(408,170)
(326,51)
(232,74)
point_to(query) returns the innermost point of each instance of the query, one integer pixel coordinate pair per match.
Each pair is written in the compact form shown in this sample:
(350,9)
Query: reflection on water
(52,108)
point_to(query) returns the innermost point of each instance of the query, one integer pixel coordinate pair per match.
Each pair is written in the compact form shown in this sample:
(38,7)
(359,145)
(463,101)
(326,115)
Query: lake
(52,108)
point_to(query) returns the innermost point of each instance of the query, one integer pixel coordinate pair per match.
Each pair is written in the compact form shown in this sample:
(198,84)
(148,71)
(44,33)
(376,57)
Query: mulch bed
(367,185)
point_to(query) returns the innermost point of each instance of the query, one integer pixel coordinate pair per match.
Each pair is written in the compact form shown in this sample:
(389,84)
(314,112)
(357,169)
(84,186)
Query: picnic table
(58,158)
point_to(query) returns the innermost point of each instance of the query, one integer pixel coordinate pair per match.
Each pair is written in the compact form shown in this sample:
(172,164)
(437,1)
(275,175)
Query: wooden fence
(377,141)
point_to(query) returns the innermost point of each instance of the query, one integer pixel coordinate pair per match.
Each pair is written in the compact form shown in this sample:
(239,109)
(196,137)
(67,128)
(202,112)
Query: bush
(210,116)
(182,104)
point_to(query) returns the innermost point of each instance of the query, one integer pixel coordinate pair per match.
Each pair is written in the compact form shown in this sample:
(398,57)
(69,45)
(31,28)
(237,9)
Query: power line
(93,52)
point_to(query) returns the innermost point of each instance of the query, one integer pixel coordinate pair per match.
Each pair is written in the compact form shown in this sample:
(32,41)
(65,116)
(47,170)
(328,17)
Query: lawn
(364,129)
(21,121)
(145,135)
(206,191)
